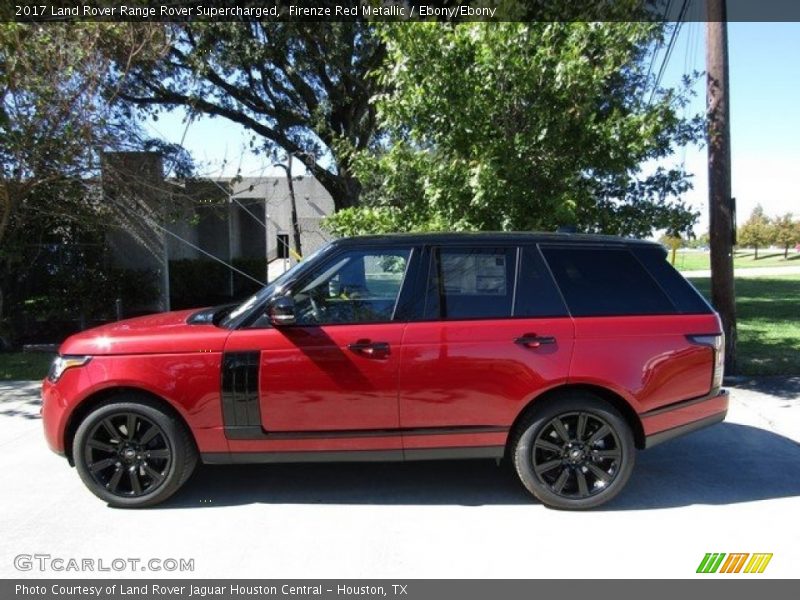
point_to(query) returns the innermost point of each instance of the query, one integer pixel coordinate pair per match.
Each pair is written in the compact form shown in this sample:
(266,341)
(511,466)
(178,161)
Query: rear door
(492,334)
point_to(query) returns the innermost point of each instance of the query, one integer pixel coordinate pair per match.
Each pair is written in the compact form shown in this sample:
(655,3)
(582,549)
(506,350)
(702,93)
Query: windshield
(268,290)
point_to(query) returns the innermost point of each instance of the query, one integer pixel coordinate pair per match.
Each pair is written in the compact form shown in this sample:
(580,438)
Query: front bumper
(680,418)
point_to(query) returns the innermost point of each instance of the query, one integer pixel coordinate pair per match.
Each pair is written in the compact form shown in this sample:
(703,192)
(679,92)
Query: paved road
(750,272)
(731,488)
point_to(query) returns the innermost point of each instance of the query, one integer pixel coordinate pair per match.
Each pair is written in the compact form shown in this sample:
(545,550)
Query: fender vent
(240,407)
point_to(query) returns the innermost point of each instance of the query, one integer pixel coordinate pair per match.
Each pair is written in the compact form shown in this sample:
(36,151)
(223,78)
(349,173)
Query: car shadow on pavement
(725,464)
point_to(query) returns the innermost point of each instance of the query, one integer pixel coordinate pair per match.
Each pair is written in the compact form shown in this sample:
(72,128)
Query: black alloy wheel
(577,455)
(132,452)
(128,454)
(574,452)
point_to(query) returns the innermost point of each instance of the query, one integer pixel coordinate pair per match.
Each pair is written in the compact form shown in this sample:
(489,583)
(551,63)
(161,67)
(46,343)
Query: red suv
(563,353)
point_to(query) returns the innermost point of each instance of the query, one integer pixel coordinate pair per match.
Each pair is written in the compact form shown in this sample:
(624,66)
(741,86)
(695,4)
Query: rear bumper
(683,417)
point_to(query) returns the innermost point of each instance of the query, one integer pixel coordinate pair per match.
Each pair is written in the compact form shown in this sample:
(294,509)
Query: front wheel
(575,452)
(131,453)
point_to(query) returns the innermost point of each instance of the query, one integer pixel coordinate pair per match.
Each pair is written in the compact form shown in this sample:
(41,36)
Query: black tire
(583,462)
(138,468)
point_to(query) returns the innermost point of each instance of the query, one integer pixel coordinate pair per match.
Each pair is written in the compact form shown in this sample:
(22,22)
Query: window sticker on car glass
(474,274)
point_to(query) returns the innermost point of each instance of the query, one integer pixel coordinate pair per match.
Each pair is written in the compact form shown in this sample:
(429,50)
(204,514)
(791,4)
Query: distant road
(749,272)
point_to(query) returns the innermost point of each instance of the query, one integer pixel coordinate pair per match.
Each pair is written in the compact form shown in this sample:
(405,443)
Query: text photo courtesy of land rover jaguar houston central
(561,353)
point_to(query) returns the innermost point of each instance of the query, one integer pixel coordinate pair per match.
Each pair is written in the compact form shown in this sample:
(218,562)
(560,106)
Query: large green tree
(523,126)
(300,88)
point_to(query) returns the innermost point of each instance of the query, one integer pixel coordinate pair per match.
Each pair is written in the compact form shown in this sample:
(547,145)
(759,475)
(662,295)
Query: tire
(569,469)
(138,469)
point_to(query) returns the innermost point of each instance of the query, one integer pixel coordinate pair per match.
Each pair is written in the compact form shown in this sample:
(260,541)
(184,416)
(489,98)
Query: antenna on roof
(567,229)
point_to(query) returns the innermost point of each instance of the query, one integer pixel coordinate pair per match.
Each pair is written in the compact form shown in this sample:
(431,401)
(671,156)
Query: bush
(202,282)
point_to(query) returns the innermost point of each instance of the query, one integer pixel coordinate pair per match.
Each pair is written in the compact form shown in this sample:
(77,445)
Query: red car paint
(436,383)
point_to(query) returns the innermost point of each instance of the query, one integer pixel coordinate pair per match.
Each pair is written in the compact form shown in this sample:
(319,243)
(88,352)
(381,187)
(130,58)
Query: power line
(670,47)
(657,49)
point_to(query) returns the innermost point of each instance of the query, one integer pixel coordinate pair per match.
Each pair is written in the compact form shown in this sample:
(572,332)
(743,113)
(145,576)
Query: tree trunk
(756,256)
(295,221)
(786,252)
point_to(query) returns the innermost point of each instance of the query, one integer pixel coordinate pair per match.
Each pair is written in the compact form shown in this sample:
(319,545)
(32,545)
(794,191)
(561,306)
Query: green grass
(768,324)
(742,259)
(24,365)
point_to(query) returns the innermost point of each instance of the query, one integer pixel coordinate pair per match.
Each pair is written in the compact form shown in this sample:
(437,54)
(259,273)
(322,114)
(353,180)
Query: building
(220,219)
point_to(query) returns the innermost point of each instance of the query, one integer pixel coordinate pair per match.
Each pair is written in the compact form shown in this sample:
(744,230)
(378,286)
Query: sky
(765,122)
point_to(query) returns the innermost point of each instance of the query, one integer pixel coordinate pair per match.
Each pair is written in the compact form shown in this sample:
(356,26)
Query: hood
(153,334)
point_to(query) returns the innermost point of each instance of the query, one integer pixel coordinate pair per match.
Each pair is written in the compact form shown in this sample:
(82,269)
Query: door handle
(368,348)
(531,340)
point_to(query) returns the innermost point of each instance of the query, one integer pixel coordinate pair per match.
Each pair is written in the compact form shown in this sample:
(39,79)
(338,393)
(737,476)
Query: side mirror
(280,311)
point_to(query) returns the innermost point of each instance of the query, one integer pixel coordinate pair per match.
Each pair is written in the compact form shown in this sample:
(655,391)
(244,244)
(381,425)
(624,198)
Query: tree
(673,242)
(701,241)
(786,232)
(300,87)
(56,118)
(525,126)
(756,232)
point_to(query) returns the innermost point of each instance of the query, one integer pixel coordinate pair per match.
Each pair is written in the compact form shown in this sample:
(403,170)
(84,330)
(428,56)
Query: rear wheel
(131,453)
(575,452)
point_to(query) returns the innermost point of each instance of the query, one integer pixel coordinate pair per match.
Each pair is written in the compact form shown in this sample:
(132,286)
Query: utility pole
(720,202)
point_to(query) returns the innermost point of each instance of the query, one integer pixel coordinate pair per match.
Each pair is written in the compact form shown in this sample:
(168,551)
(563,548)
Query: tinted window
(358,286)
(471,283)
(537,295)
(683,295)
(605,281)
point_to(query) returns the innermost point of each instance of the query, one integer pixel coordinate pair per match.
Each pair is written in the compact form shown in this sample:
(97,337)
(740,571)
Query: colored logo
(742,562)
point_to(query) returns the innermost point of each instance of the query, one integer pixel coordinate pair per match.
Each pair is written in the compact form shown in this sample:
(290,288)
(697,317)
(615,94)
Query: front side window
(471,283)
(357,286)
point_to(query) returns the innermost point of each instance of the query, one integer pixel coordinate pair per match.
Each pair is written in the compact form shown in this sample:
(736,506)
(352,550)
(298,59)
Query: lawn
(24,365)
(768,315)
(692,260)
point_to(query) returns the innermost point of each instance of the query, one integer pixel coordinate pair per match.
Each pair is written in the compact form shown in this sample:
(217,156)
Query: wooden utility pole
(720,202)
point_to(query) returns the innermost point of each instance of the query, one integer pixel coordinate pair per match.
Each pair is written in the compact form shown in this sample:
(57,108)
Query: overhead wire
(670,47)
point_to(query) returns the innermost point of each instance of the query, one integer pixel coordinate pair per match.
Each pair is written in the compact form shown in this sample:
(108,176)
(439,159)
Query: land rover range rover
(562,353)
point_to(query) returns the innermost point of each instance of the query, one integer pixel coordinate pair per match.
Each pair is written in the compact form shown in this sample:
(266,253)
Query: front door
(336,368)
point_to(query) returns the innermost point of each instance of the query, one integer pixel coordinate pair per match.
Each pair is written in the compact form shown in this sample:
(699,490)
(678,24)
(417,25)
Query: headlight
(62,363)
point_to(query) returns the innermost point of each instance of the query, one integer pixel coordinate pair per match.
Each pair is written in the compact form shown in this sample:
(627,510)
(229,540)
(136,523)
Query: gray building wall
(203,218)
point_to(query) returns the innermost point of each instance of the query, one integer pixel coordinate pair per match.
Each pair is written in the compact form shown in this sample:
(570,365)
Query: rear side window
(605,282)
(471,283)
(537,295)
(683,295)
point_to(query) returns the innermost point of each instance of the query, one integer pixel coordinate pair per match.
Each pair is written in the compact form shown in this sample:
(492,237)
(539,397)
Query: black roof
(484,237)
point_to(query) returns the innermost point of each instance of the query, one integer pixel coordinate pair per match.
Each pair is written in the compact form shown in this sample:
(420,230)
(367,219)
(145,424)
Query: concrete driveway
(732,488)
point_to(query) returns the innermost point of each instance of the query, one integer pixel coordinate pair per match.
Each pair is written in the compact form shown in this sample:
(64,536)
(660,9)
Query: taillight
(716,341)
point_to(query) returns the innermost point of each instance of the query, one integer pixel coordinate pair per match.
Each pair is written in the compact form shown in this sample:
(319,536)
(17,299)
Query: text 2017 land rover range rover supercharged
(561,353)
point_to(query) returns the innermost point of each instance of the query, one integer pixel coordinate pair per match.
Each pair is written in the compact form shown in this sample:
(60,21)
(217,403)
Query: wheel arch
(605,394)
(88,404)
